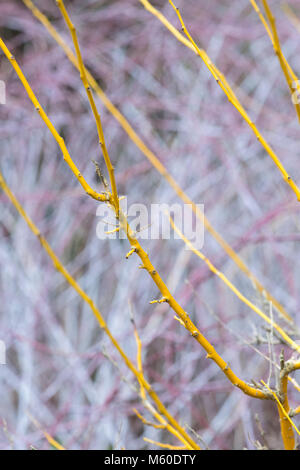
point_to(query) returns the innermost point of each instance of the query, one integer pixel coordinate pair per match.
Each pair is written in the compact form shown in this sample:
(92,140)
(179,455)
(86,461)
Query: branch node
(133,250)
(160,301)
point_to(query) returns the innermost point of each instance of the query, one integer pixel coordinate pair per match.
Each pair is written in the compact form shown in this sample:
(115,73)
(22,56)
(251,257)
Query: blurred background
(60,368)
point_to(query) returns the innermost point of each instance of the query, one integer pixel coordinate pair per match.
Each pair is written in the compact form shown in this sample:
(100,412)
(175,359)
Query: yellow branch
(229,284)
(139,357)
(53,442)
(136,247)
(162,445)
(59,266)
(166,295)
(265,24)
(288,439)
(148,423)
(287,178)
(184,317)
(154,160)
(87,87)
(57,137)
(228,92)
(163,423)
(285,421)
(286,68)
(211,353)
(286,64)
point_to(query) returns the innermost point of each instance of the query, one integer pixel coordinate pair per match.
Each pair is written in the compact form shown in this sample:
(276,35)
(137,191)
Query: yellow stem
(59,266)
(153,159)
(166,295)
(286,423)
(287,70)
(57,137)
(229,284)
(287,178)
(87,87)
